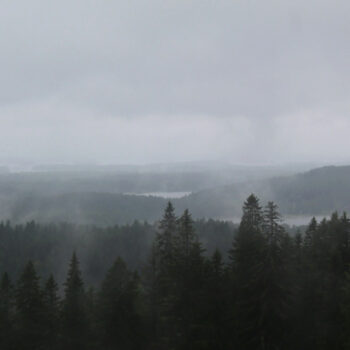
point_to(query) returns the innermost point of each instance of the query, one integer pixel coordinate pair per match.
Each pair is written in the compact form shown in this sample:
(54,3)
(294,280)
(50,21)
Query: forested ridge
(263,288)
(107,199)
(50,246)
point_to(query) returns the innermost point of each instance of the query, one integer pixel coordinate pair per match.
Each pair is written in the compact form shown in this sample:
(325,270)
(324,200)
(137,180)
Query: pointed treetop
(5,282)
(312,225)
(74,279)
(271,212)
(29,273)
(186,221)
(217,261)
(272,223)
(252,214)
(51,283)
(169,213)
(252,200)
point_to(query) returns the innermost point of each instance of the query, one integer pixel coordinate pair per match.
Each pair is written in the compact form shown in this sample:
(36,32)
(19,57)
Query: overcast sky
(139,81)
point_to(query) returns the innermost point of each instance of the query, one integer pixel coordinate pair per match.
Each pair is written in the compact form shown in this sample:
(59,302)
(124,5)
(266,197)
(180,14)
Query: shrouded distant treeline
(273,291)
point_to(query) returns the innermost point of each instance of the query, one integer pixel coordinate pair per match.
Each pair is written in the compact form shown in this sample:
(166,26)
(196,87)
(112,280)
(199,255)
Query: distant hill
(101,209)
(319,191)
(316,192)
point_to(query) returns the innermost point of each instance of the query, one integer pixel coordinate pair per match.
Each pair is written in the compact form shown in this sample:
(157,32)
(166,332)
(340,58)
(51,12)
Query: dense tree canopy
(276,290)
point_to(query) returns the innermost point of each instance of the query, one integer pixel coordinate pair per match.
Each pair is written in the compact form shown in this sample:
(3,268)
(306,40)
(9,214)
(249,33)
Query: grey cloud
(229,71)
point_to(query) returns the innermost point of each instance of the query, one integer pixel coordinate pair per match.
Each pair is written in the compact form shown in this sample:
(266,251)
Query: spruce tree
(345,312)
(119,319)
(218,334)
(30,310)
(165,237)
(188,283)
(150,283)
(51,314)
(6,313)
(75,328)
(163,258)
(247,275)
(276,291)
(310,233)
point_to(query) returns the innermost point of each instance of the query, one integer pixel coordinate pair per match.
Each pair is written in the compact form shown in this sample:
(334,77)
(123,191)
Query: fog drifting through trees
(267,288)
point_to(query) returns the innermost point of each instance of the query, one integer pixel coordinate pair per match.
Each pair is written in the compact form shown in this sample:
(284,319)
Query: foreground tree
(30,308)
(75,327)
(51,314)
(6,313)
(188,307)
(119,320)
(162,293)
(164,241)
(247,275)
(219,333)
(276,288)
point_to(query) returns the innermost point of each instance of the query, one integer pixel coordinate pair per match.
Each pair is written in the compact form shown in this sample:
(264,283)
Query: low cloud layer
(155,81)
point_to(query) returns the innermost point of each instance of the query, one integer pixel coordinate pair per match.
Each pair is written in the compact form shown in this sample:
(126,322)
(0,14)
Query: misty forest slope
(317,192)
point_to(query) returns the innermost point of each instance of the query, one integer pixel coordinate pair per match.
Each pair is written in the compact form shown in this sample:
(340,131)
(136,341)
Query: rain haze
(252,82)
(174,174)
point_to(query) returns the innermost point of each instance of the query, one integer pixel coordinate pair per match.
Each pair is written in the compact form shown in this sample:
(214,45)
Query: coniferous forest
(270,289)
(175,175)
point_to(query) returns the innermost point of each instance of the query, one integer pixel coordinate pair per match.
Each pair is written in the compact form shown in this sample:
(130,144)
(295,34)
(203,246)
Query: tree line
(50,246)
(276,291)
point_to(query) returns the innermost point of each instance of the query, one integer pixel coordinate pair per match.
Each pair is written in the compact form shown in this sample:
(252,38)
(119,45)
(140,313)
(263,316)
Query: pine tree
(185,236)
(272,228)
(150,283)
(119,319)
(75,328)
(252,218)
(314,285)
(345,312)
(30,309)
(247,274)
(165,237)
(339,227)
(276,292)
(163,262)
(188,283)
(91,314)
(51,314)
(6,313)
(218,334)
(309,238)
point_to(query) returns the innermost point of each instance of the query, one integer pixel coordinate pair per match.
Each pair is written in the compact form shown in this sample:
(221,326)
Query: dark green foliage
(276,288)
(50,245)
(165,237)
(6,313)
(276,292)
(248,266)
(345,311)
(176,272)
(260,270)
(188,285)
(75,327)
(218,310)
(51,314)
(118,316)
(163,266)
(30,310)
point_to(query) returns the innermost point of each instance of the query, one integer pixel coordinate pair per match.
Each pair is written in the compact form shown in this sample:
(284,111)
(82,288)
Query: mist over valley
(122,196)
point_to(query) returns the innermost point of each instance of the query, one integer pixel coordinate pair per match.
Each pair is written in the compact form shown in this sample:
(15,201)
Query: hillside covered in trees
(96,199)
(316,192)
(256,287)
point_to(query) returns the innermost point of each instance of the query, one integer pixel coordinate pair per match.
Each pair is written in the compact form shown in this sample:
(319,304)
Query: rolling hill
(316,192)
